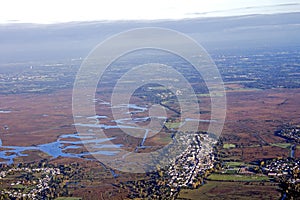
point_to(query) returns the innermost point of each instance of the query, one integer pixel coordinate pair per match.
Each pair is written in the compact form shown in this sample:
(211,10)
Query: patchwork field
(232,190)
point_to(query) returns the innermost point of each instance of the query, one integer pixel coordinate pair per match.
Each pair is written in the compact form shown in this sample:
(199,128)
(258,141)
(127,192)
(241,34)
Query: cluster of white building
(282,167)
(40,185)
(194,161)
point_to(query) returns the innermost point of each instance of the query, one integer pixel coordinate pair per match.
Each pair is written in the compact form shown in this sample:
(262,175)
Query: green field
(157,88)
(238,178)
(282,145)
(235,164)
(19,186)
(203,95)
(232,171)
(228,146)
(173,125)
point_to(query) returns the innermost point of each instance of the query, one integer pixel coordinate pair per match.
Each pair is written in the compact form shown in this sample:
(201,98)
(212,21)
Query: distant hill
(32,42)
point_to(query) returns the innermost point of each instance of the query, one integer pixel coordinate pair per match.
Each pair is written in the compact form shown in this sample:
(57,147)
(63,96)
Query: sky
(58,11)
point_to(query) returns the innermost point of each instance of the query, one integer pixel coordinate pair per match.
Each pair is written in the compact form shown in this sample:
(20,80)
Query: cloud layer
(52,11)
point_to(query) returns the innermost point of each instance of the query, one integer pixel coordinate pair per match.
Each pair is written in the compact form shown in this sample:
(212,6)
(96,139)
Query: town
(188,170)
(289,132)
(287,173)
(38,186)
(194,161)
(34,180)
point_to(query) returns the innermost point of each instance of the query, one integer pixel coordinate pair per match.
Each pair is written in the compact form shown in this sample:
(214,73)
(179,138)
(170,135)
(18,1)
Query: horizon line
(18,22)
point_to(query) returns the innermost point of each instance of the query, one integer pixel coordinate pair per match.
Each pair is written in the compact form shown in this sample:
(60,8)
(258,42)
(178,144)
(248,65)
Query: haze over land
(30,42)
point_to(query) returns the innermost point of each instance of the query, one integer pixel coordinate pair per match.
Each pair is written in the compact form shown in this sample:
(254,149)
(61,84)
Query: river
(293,148)
(57,148)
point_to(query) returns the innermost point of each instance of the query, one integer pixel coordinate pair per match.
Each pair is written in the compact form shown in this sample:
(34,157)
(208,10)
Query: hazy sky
(52,11)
